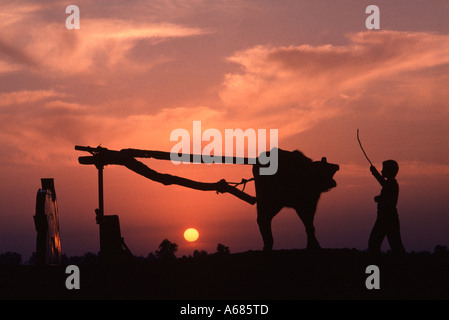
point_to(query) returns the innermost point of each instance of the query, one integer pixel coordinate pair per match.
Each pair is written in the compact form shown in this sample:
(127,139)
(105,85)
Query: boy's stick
(362,148)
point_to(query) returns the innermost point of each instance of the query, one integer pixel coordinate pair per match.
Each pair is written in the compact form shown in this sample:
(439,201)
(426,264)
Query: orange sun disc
(191,234)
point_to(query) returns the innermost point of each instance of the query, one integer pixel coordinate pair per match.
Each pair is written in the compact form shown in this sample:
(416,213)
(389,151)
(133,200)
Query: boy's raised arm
(377,175)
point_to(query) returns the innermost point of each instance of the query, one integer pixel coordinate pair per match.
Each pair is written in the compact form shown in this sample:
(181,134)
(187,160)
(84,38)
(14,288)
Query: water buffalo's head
(323,174)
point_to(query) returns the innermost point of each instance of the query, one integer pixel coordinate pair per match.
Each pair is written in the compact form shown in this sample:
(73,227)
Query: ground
(329,274)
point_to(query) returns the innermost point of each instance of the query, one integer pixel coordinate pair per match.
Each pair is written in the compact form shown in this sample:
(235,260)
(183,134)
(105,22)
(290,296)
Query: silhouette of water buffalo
(298,183)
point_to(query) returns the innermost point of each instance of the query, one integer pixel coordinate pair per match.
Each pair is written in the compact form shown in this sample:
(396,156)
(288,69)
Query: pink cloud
(27,96)
(287,88)
(295,87)
(97,47)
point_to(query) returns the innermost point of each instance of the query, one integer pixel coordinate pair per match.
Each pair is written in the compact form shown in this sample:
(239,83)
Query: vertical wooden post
(100,191)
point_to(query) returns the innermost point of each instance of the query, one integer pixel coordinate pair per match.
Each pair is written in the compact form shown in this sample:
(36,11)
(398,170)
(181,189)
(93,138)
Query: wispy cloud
(12,99)
(41,126)
(100,43)
(289,88)
(295,87)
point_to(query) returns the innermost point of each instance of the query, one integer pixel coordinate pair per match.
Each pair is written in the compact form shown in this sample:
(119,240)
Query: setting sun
(191,234)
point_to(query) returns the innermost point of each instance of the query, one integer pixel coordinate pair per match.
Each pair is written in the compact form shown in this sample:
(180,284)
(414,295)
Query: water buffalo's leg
(264,222)
(265,214)
(306,217)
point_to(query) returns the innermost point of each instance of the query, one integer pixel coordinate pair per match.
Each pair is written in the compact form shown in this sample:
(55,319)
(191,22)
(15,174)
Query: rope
(244,182)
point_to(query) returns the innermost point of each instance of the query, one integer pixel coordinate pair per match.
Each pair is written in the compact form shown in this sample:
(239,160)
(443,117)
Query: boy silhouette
(387,222)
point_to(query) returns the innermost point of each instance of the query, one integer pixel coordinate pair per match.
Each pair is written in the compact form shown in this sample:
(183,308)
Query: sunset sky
(137,70)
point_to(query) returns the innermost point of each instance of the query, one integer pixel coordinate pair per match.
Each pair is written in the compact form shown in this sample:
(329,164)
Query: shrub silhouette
(222,249)
(167,250)
(197,254)
(10,258)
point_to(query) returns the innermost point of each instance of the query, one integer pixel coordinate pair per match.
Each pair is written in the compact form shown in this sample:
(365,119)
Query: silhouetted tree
(64,259)
(222,249)
(201,253)
(90,258)
(32,260)
(151,256)
(441,251)
(76,260)
(87,258)
(11,258)
(167,250)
